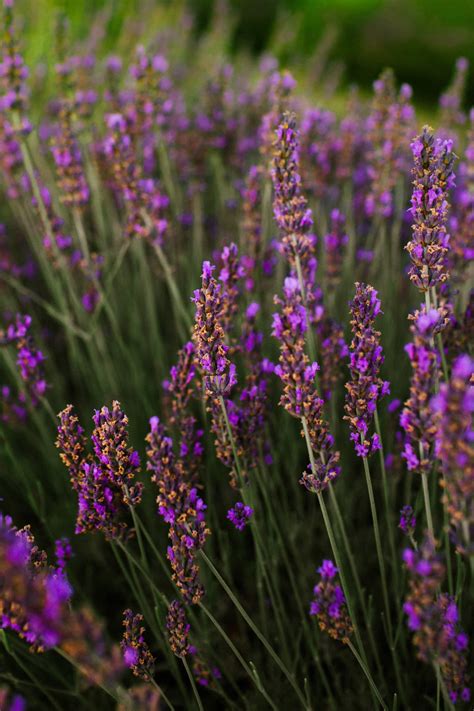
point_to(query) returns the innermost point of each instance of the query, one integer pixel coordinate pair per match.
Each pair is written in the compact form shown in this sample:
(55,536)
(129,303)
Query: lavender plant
(154,201)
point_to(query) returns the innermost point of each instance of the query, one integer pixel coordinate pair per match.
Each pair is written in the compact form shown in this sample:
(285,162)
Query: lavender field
(236,380)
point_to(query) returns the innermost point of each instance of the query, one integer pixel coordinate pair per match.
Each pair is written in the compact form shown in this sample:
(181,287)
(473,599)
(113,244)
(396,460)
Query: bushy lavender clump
(365,387)
(434,619)
(329,604)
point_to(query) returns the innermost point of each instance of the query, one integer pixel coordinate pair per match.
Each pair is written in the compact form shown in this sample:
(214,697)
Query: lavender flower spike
(300,397)
(433,177)
(455,448)
(136,653)
(434,619)
(208,335)
(329,604)
(365,387)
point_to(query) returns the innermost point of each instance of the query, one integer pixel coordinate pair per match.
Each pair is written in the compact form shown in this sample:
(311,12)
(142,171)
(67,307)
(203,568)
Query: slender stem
(193,685)
(426,497)
(162,694)
(378,545)
(332,540)
(364,668)
(272,589)
(237,654)
(254,628)
(355,575)
(388,512)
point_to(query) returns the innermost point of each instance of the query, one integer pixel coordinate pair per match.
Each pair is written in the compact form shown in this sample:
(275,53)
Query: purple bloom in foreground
(329,604)
(434,619)
(240,515)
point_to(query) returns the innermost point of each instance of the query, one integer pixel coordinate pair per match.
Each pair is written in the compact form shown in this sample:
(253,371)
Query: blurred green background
(419,39)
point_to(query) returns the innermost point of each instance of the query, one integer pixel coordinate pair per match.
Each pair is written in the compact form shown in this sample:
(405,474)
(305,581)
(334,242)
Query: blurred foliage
(419,39)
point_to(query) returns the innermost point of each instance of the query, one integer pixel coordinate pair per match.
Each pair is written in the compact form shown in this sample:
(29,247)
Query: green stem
(378,545)
(193,685)
(237,654)
(367,674)
(388,512)
(254,628)
(426,497)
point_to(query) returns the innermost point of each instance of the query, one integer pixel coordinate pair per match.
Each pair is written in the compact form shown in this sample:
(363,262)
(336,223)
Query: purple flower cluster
(365,387)
(433,178)
(434,619)
(208,335)
(240,515)
(389,127)
(419,419)
(290,207)
(329,604)
(455,448)
(407,522)
(145,203)
(181,507)
(136,653)
(180,388)
(103,480)
(33,599)
(29,360)
(178,628)
(71,179)
(13,71)
(300,397)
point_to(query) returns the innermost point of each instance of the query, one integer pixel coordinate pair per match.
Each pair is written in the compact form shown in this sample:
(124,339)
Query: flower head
(136,653)
(365,388)
(433,177)
(240,515)
(178,628)
(329,604)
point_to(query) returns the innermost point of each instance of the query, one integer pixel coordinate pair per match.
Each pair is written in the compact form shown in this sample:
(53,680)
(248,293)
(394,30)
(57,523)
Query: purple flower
(178,628)
(300,397)
(418,418)
(455,448)
(103,480)
(365,387)
(329,604)
(208,335)
(407,521)
(434,619)
(240,515)
(181,507)
(433,177)
(136,653)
